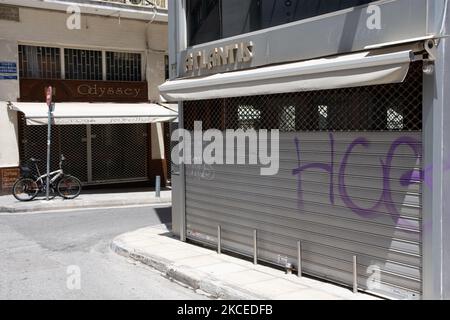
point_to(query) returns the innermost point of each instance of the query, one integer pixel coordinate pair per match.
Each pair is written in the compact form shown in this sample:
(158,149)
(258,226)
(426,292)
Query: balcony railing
(161,4)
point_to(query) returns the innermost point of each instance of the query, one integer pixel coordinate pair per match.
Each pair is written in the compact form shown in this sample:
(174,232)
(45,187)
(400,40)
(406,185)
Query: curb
(80,205)
(186,275)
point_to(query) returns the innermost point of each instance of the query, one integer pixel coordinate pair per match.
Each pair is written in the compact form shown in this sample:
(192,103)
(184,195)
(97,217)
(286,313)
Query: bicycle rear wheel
(25,189)
(69,187)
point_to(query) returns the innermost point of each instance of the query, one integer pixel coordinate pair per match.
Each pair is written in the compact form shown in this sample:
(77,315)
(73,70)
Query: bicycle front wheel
(69,187)
(25,189)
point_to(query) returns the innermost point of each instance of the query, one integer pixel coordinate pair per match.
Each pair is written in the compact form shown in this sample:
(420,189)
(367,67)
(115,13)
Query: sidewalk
(88,199)
(221,276)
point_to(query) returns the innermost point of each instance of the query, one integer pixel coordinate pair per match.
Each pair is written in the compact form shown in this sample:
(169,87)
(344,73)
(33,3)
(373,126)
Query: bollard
(255,247)
(299,259)
(355,274)
(158,186)
(219,240)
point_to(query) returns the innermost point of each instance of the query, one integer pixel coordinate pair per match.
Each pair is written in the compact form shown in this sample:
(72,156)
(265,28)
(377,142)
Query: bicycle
(30,185)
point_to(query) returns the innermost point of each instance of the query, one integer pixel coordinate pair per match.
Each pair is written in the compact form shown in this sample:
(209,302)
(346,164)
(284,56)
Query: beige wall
(96,31)
(157,49)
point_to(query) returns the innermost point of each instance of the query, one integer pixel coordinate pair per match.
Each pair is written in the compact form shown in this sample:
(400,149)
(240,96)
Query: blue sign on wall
(8,67)
(3,77)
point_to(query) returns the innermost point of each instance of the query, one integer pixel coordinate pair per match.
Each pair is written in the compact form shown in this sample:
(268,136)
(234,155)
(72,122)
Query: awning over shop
(352,70)
(95,113)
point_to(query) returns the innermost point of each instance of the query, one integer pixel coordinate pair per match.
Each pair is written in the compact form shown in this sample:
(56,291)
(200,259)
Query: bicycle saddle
(35,160)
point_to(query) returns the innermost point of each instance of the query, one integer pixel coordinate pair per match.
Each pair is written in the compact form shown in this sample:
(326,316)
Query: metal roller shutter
(349,184)
(95,154)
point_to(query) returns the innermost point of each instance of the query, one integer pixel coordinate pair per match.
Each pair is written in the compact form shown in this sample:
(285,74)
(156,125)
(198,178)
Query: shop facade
(107,120)
(363,137)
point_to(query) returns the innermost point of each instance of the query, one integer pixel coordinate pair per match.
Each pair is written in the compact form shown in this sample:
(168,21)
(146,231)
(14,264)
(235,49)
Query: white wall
(9,91)
(9,150)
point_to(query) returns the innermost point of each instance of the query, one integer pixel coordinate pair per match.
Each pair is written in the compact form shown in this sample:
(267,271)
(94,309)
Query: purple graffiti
(426,175)
(322,166)
(385,200)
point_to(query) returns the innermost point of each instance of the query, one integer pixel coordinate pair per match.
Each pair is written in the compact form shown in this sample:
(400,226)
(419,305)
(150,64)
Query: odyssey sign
(99,91)
(219,56)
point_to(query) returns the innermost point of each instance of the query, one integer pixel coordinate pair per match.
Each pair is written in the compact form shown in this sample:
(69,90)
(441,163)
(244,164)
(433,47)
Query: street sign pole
(49,97)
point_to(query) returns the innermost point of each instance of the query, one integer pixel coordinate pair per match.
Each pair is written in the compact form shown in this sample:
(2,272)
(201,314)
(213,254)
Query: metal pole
(158,186)
(49,143)
(219,240)
(182,187)
(255,247)
(355,274)
(299,262)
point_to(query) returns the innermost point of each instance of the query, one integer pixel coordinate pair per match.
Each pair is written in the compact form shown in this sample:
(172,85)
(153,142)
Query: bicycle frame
(54,176)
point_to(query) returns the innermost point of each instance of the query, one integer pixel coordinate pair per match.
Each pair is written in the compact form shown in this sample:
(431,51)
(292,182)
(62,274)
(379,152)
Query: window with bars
(390,107)
(37,62)
(122,66)
(83,64)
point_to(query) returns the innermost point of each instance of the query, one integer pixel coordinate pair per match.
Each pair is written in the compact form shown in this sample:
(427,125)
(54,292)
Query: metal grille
(119,152)
(121,66)
(391,107)
(353,192)
(83,64)
(39,62)
(67,140)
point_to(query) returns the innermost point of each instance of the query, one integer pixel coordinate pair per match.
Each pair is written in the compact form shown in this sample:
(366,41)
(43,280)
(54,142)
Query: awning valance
(95,113)
(352,70)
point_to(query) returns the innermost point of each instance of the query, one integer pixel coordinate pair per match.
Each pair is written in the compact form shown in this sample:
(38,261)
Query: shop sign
(219,56)
(103,91)
(85,91)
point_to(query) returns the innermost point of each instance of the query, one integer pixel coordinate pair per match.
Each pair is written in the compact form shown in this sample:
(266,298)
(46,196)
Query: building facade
(100,56)
(357,90)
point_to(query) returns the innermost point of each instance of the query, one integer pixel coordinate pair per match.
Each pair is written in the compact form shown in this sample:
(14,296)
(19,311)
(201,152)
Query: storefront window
(83,64)
(287,119)
(122,66)
(249,117)
(323,117)
(392,107)
(210,20)
(39,62)
(394,120)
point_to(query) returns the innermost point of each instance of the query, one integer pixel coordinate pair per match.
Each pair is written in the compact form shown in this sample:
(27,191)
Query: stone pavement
(221,276)
(87,199)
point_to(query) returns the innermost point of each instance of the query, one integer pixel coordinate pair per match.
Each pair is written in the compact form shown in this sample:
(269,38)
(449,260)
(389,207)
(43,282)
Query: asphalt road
(66,255)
